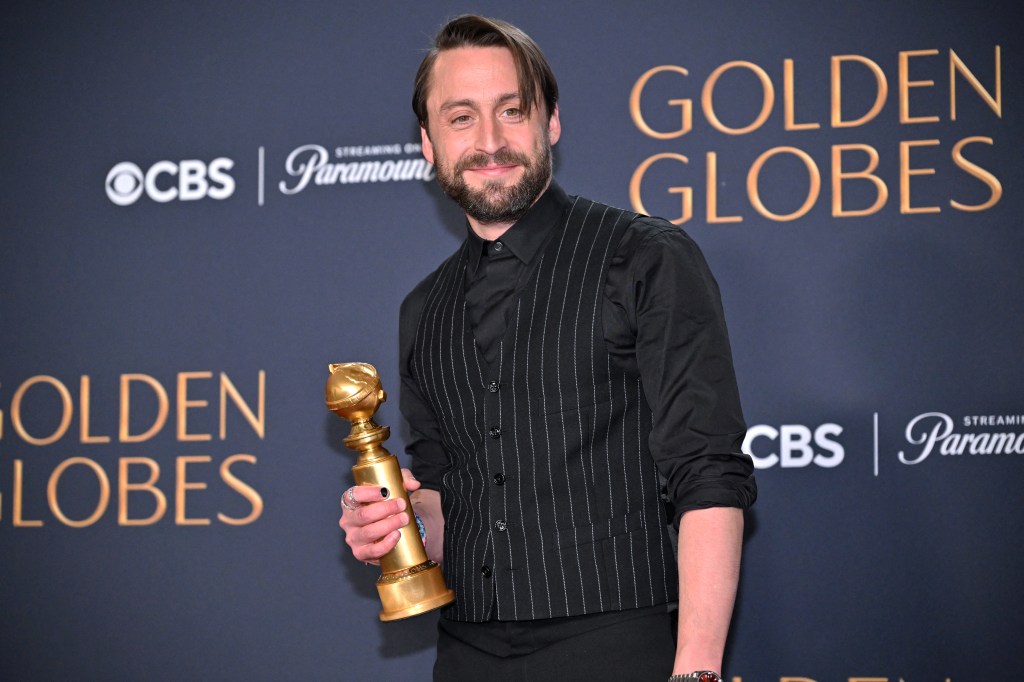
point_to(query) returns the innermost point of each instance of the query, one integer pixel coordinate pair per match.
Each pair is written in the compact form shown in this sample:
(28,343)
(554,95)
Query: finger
(366,494)
(370,513)
(409,481)
(355,522)
(373,552)
(374,532)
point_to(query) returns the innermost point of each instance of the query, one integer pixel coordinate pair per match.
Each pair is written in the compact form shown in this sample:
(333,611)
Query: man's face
(491,159)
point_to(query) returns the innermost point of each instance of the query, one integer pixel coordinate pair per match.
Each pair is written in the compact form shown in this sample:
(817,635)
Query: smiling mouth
(493,170)
(494,165)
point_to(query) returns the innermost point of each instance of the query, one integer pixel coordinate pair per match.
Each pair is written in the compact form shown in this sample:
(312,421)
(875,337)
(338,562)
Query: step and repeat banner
(206,203)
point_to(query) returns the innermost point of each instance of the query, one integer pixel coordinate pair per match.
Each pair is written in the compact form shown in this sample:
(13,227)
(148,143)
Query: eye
(461,120)
(514,113)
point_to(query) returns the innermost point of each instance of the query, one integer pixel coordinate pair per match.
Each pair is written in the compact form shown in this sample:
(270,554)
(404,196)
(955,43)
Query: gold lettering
(101,504)
(712,194)
(84,400)
(838,175)
(184,404)
(994,186)
(66,406)
(162,408)
(905,84)
(243,489)
(685,105)
(795,679)
(18,520)
(767,100)
(906,172)
(228,389)
(124,487)
(789,100)
(812,193)
(881,91)
(182,484)
(957,66)
(638,176)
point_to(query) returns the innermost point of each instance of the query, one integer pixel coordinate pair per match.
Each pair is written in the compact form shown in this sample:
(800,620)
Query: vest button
(493,387)
(499,478)
(485,570)
(501,526)
(495,432)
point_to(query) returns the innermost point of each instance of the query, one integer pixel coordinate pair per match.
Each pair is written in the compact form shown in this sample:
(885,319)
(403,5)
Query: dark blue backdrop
(856,338)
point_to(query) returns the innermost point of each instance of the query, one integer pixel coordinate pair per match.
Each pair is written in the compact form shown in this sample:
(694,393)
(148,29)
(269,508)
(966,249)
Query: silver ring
(350,503)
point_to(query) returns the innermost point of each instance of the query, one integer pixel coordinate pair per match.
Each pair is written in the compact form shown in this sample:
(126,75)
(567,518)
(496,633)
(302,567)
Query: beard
(497,202)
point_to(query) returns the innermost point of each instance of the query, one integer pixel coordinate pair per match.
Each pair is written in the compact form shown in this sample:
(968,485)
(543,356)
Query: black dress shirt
(662,320)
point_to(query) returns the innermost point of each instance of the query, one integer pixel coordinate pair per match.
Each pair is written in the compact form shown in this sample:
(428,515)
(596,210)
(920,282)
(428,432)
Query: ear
(554,127)
(428,147)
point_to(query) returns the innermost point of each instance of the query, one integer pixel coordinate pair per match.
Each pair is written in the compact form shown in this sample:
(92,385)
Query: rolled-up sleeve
(669,309)
(429,459)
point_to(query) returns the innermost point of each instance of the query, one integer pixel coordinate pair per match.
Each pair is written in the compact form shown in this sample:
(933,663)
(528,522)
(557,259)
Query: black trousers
(631,649)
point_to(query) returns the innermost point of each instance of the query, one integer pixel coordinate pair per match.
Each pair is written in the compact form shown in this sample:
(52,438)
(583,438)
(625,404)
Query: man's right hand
(371,517)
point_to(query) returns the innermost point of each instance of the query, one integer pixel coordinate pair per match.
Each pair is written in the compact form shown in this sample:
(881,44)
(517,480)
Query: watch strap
(697,676)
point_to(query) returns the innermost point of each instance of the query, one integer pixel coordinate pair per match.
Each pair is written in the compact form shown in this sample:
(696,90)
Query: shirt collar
(525,238)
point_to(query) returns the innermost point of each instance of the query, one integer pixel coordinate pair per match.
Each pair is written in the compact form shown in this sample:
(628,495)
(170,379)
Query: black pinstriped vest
(551,500)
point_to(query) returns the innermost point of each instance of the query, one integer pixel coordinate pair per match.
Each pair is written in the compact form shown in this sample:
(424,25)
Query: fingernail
(384,492)
(401,504)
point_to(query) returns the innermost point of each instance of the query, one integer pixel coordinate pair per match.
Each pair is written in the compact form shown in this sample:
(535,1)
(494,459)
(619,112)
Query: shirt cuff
(715,492)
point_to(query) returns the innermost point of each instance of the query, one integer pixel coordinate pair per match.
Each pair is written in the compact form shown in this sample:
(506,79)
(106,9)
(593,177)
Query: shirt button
(501,526)
(495,432)
(499,478)
(493,387)
(485,570)
(498,246)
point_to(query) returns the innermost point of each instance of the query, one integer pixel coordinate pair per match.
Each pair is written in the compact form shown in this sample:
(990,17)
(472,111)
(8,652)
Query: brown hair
(532,69)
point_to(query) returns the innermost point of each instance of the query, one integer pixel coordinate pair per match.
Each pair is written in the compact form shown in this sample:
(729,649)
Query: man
(567,378)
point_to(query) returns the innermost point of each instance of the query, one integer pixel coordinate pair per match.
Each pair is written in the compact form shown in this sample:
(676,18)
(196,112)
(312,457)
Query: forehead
(477,74)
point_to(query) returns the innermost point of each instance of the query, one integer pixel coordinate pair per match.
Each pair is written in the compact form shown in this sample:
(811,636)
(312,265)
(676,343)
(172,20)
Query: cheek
(531,139)
(453,152)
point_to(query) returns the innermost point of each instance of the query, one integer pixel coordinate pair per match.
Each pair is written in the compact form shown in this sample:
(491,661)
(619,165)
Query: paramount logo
(312,164)
(935,432)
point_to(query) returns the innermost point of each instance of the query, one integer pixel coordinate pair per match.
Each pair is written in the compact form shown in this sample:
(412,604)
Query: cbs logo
(195,180)
(793,446)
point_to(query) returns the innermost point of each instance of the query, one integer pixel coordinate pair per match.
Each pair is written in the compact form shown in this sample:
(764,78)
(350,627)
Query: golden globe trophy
(411,583)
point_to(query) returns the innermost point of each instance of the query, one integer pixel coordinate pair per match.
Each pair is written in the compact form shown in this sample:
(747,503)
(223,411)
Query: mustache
(502,157)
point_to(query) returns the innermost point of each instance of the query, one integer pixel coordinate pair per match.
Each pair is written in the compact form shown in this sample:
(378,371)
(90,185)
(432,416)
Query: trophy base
(412,591)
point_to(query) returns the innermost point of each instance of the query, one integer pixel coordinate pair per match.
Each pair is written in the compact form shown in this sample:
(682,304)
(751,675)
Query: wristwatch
(697,676)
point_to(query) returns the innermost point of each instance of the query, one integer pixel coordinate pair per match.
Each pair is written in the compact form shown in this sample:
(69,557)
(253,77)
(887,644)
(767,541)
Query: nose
(490,136)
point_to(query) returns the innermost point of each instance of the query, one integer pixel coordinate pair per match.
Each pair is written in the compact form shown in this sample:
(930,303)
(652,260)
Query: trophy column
(410,583)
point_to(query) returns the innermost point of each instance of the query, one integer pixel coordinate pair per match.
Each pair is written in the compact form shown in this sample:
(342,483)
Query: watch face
(708,676)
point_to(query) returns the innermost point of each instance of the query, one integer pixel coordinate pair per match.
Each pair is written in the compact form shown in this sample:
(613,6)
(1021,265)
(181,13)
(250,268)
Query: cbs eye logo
(194,180)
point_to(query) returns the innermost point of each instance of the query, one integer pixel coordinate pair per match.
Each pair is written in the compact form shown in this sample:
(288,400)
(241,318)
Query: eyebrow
(453,104)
